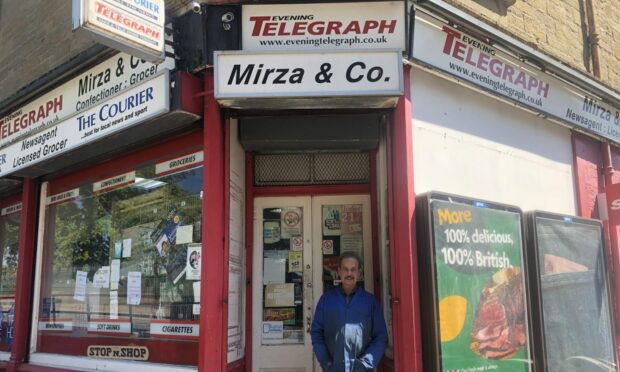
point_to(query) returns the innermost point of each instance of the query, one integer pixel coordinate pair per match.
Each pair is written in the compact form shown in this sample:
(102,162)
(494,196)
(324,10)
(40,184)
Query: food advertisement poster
(480,288)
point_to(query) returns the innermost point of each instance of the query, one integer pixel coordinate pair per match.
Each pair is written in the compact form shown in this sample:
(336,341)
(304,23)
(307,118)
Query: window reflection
(116,264)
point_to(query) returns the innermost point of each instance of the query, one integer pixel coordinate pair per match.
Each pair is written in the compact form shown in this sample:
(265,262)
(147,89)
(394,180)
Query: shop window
(9,247)
(121,266)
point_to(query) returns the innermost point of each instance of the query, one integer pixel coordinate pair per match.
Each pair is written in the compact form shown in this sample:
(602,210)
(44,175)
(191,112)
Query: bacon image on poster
(498,330)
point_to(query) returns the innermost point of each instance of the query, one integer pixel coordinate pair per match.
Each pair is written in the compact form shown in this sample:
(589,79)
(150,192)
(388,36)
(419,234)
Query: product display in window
(115,262)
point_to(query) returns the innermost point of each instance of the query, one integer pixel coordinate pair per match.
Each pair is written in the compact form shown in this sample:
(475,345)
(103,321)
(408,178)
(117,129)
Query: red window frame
(183,352)
(10,200)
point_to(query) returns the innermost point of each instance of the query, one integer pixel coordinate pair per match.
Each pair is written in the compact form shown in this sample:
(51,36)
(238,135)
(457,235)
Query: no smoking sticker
(328,247)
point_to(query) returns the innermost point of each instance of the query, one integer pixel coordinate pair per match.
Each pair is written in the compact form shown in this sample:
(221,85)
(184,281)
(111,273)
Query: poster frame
(429,304)
(539,352)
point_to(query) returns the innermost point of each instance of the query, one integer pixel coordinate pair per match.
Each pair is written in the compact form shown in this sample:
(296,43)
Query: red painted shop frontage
(172,220)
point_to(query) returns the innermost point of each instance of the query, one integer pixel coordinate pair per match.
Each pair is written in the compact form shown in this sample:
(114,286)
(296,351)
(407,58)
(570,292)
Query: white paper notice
(192,268)
(196,287)
(273,332)
(118,248)
(80,286)
(196,306)
(126,248)
(102,277)
(113,305)
(115,273)
(134,287)
(274,271)
(185,234)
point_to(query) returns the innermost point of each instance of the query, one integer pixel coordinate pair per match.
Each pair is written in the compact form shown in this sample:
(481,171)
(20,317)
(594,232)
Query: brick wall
(557,28)
(35,37)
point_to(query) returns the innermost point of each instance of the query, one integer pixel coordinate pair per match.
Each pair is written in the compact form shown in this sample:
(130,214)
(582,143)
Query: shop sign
(467,58)
(90,88)
(57,325)
(11,209)
(135,105)
(179,164)
(477,254)
(132,26)
(242,75)
(372,25)
(118,352)
(613,203)
(114,182)
(113,327)
(63,197)
(175,329)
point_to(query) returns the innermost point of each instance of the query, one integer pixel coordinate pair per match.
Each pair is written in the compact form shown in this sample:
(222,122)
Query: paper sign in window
(279,295)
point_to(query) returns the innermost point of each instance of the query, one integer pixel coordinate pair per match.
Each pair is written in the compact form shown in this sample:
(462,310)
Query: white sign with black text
(175,329)
(378,25)
(136,105)
(11,209)
(308,74)
(484,65)
(133,26)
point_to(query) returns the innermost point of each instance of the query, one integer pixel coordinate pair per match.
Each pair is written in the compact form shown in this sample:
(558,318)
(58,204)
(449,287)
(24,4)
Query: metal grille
(311,169)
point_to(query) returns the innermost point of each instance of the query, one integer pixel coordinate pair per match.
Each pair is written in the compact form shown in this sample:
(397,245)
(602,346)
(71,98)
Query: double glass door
(297,242)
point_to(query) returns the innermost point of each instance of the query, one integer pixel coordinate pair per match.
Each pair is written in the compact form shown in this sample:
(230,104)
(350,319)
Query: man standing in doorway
(348,330)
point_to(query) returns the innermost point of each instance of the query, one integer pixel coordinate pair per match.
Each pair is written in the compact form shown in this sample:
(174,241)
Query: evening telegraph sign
(372,25)
(467,58)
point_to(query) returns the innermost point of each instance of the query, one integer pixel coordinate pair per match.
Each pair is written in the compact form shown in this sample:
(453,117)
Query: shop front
(309,113)
(112,163)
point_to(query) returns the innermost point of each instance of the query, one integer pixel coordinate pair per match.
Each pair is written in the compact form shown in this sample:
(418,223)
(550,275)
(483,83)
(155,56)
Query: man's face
(349,272)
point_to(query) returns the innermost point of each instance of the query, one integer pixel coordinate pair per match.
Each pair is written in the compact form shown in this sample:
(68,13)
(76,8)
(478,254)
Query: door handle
(309,320)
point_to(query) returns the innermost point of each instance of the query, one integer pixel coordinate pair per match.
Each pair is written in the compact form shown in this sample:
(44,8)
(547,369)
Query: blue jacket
(348,337)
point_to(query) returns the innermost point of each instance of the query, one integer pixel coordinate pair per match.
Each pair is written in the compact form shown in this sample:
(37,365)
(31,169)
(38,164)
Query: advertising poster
(574,295)
(165,239)
(331,219)
(192,268)
(295,262)
(480,287)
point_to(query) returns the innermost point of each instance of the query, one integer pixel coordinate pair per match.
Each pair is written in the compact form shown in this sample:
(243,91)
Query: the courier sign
(329,75)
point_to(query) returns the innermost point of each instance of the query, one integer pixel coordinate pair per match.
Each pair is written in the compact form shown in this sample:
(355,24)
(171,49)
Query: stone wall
(557,28)
(35,37)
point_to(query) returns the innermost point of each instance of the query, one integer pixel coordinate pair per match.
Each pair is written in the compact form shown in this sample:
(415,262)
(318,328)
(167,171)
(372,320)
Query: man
(348,330)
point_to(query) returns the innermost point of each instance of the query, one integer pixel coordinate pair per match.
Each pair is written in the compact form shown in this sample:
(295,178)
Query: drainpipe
(608,171)
(593,39)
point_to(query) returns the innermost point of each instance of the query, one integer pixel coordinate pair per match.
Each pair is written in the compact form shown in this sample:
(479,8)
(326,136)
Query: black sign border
(540,350)
(429,305)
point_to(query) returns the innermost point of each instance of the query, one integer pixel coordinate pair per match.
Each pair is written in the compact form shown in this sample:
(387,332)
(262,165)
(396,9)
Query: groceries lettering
(482,57)
(178,163)
(304,25)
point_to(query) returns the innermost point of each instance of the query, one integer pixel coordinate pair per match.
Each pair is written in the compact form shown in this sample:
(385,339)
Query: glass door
(297,243)
(282,285)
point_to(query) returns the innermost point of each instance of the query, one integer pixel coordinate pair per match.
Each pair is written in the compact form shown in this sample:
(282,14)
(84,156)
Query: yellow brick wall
(557,28)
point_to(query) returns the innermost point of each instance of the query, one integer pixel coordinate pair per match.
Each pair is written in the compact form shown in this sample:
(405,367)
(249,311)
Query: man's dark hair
(346,255)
